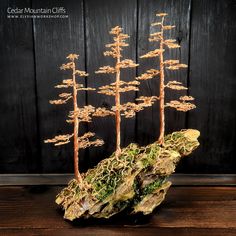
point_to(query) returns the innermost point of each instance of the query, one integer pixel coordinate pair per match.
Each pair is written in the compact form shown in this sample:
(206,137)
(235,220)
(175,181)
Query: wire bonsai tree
(76,116)
(115,89)
(134,177)
(183,103)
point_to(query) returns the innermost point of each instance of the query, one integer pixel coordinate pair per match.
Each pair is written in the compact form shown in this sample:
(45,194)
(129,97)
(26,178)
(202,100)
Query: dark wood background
(31,51)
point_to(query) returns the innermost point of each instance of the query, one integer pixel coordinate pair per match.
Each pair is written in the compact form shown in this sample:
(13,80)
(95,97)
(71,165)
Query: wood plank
(18,126)
(212,82)
(212,28)
(29,207)
(63,179)
(118,231)
(198,214)
(101,16)
(200,193)
(54,40)
(190,207)
(178,14)
(203,179)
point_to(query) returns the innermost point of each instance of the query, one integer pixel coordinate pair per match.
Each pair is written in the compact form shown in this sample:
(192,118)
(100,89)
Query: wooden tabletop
(186,211)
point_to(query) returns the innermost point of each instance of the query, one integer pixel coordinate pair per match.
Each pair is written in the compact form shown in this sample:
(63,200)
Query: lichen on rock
(137,180)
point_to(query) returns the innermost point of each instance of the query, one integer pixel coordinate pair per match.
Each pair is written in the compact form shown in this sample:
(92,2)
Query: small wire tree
(78,115)
(115,89)
(183,103)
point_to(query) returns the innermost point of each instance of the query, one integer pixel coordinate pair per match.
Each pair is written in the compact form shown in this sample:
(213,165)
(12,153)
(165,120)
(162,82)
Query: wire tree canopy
(163,44)
(76,116)
(115,89)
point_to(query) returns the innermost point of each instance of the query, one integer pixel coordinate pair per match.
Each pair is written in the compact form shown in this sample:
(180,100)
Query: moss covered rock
(137,180)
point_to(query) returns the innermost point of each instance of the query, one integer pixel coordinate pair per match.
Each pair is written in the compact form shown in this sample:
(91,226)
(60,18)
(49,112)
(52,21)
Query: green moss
(152,186)
(107,186)
(145,162)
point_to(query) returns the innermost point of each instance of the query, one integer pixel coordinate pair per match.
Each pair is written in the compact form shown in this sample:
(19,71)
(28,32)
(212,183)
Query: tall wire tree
(76,116)
(183,103)
(115,89)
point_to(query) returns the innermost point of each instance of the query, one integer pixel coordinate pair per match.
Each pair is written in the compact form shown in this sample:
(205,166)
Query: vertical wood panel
(34,52)
(213,83)
(101,16)
(178,14)
(54,40)
(18,126)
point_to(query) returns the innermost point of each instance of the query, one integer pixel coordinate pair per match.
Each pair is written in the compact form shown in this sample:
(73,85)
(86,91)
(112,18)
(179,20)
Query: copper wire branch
(182,104)
(78,115)
(76,127)
(115,89)
(162,87)
(117,98)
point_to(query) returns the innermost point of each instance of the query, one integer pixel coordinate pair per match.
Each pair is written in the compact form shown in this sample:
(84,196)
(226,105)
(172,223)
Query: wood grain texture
(212,82)
(178,15)
(18,125)
(101,16)
(63,179)
(33,50)
(119,231)
(54,40)
(186,211)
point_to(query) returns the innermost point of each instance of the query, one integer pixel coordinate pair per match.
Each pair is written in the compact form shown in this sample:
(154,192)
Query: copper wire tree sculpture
(183,103)
(133,178)
(115,89)
(78,115)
